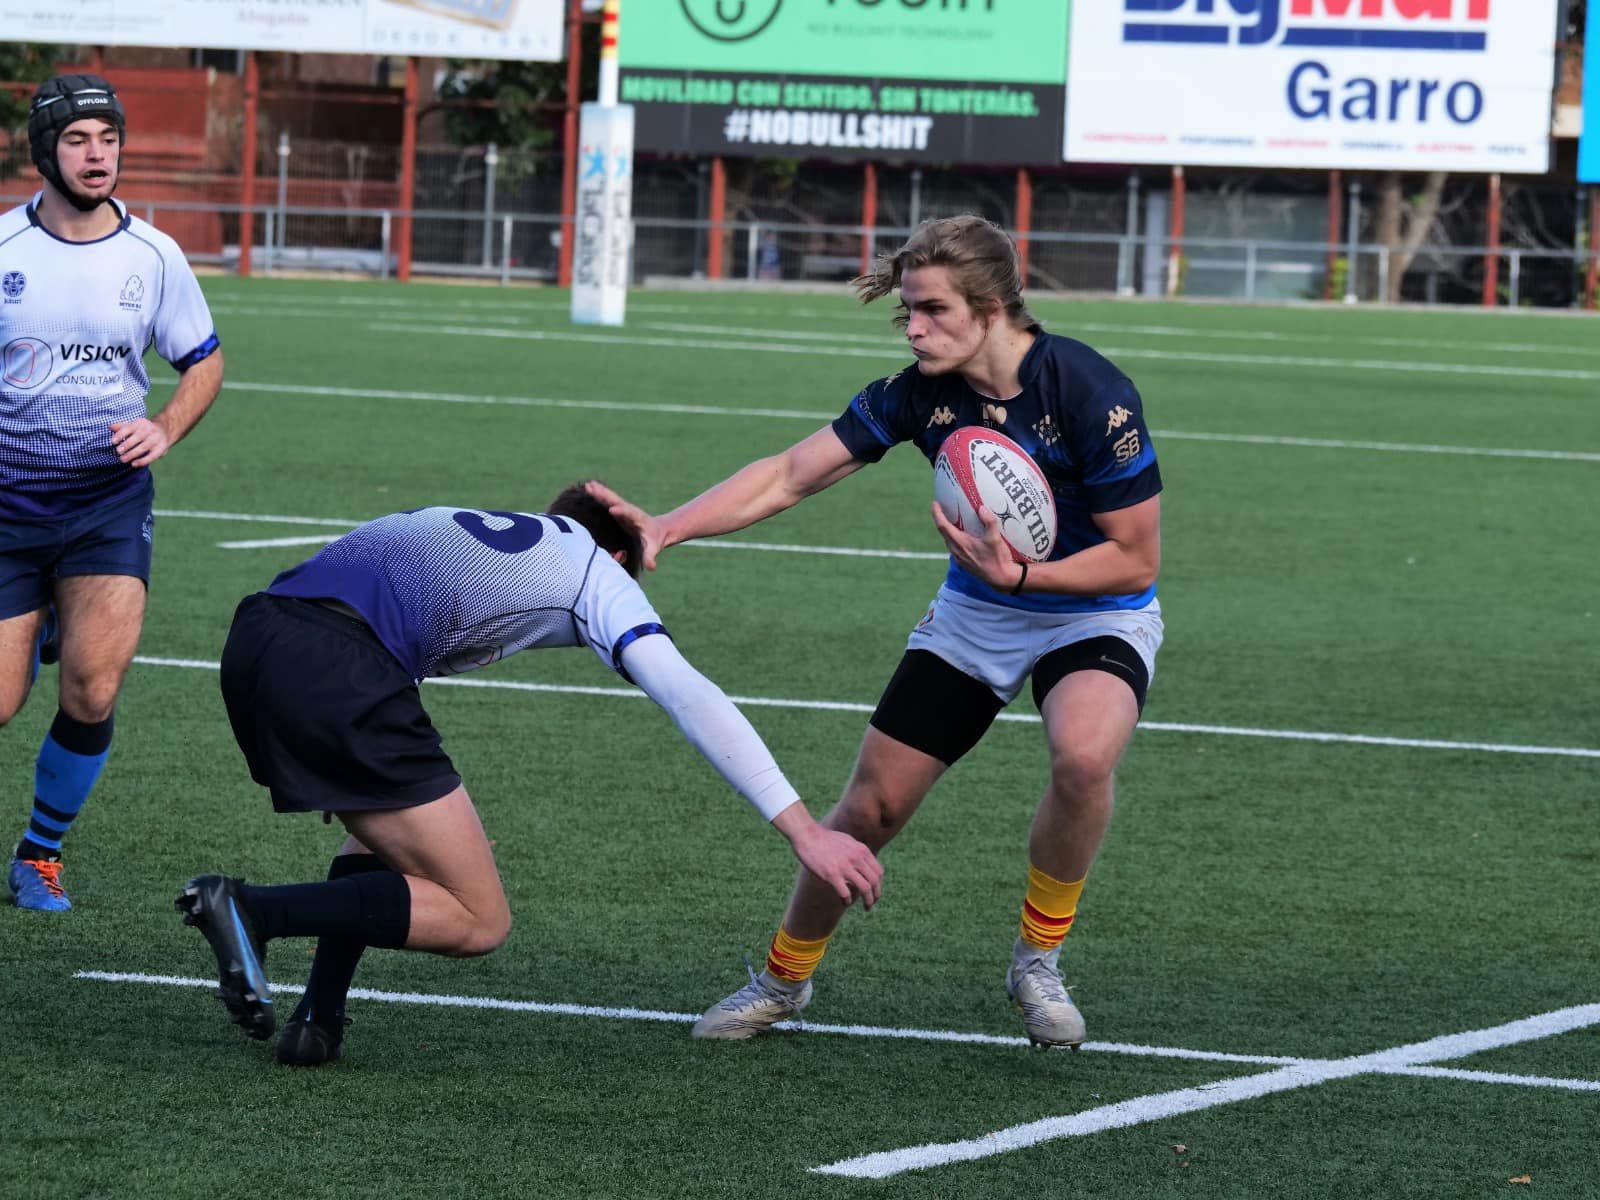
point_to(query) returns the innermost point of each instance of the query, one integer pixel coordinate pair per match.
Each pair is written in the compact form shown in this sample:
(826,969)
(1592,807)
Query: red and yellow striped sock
(1048,909)
(794,959)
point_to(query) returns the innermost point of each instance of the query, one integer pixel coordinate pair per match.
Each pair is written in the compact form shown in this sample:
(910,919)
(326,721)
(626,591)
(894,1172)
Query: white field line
(1153,330)
(1158,1107)
(947,1036)
(316,539)
(1023,718)
(493,310)
(820,417)
(899,354)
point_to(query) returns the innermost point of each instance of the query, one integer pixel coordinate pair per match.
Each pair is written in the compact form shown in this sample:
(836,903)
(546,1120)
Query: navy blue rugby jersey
(1077,415)
(451,589)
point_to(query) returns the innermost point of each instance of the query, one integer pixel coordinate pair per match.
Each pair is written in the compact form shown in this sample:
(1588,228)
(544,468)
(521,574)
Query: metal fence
(512,246)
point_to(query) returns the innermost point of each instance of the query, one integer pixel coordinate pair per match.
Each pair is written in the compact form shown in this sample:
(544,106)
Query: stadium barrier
(510,247)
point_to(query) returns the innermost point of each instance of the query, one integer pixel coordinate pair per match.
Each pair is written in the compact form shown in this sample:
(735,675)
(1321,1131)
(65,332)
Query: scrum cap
(58,103)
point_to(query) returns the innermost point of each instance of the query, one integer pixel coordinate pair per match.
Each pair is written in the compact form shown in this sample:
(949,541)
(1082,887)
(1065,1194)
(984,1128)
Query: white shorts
(998,646)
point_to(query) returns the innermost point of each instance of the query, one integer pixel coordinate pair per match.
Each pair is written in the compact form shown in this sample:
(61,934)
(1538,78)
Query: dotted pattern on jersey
(442,598)
(61,387)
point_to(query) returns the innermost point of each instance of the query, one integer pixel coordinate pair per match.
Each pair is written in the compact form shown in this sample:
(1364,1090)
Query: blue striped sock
(69,763)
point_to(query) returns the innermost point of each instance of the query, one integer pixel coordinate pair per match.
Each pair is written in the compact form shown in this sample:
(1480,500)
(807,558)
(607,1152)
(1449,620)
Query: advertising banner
(1589,142)
(604,215)
(521,29)
(957,81)
(1412,85)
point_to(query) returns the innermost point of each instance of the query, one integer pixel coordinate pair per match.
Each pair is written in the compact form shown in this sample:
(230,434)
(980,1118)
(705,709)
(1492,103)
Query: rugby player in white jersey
(320,676)
(1084,625)
(85,289)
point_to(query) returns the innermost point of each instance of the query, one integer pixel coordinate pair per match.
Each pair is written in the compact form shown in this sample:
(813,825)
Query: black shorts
(940,710)
(326,717)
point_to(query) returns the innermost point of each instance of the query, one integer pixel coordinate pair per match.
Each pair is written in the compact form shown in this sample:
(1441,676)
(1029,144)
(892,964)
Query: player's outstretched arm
(753,493)
(730,744)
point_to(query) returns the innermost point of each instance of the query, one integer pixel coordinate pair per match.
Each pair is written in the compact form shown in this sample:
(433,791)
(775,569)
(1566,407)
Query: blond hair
(980,256)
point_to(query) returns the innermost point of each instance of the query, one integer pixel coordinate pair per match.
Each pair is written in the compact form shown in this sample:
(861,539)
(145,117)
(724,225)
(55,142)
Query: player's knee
(1080,772)
(870,811)
(12,697)
(89,700)
(485,934)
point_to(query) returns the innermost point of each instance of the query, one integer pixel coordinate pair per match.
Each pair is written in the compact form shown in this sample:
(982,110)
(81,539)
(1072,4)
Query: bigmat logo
(1460,25)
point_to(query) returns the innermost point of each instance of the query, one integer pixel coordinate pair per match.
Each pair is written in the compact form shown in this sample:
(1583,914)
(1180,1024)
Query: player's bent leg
(458,906)
(313,1036)
(888,783)
(1089,715)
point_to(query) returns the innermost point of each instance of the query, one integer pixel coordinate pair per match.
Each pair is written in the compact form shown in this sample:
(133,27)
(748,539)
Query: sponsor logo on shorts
(1116,419)
(148,529)
(12,284)
(132,294)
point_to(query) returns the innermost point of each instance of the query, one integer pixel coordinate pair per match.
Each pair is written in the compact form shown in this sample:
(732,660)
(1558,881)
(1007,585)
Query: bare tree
(1404,222)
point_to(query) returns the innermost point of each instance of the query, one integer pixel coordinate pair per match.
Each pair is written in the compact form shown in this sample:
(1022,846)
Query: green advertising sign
(959,81)
(1022,41)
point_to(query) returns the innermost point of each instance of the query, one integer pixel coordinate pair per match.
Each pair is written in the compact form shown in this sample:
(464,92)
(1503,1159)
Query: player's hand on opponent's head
(139,442)
(987,556)
(633,517)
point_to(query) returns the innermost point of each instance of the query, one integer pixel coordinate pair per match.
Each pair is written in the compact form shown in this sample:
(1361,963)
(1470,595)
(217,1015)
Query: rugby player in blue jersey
(1085,626)
(85,289)
(320,676)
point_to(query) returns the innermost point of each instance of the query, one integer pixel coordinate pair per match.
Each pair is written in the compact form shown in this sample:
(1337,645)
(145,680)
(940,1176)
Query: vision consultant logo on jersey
(132,295)
(12,283)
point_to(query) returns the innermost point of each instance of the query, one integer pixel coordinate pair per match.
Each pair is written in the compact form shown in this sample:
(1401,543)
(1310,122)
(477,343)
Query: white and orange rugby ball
(980,466)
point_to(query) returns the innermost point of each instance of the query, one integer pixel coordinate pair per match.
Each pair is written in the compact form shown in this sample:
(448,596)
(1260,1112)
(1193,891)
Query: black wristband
(1017,590)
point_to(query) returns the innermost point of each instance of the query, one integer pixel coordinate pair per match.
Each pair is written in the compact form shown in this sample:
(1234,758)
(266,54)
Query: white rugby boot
(1034,984)
(754,1008)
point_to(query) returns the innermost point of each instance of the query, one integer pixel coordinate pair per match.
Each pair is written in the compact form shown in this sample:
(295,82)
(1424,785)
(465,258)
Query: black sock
(334,966)
(373,908)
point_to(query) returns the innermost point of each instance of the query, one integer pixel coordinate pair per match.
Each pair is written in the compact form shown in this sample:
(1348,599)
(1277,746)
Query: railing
(525,246)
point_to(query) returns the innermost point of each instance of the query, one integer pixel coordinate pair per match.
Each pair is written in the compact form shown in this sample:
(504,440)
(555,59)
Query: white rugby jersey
(75,321)
(450,589)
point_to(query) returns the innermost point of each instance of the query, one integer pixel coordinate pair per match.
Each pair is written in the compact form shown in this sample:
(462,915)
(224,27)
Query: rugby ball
(980,466)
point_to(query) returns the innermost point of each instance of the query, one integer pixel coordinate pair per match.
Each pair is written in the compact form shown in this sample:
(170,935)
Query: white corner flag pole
(603,215)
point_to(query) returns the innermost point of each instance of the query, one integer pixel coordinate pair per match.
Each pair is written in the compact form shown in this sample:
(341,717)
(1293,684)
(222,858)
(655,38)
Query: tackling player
(1084,625)
(320,677)
(85,289)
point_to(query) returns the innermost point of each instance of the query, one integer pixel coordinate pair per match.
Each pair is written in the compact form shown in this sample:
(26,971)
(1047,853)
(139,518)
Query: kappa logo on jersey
(1127,447)
(132,295)
(994,414)
(12,284)
(26,363)
(1047,431)
(941,416)
(1116,419)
